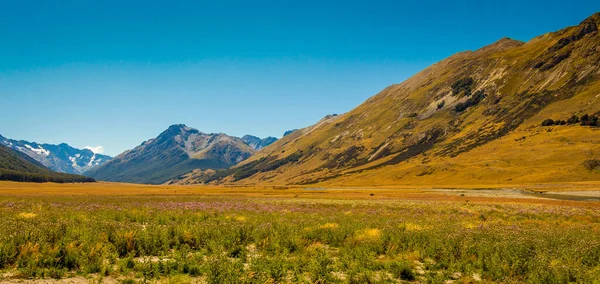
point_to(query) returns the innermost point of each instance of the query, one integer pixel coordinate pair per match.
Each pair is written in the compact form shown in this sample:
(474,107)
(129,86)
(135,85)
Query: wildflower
(368,234)
(26,215)
(329,226)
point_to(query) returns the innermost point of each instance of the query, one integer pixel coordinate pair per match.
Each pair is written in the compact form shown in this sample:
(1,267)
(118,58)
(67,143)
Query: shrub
(548,122)
(479,95)
(591,164)
(402,270)
(589,120)
(462,85)
(574,119)
(441,104)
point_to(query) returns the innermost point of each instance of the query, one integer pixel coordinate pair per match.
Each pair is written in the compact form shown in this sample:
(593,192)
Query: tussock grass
(252,239)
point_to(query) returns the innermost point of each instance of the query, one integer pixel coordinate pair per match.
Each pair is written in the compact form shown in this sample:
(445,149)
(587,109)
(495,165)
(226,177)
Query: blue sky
(115,73)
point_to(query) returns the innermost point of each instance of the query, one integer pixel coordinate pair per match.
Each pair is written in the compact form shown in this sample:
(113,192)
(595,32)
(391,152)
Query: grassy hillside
(16,166)
(475,117)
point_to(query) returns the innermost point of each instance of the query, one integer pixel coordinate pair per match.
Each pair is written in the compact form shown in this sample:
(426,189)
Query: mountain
(60,158)
(289,132)
(176,151)
(16,166)
(257,143)
(473,118)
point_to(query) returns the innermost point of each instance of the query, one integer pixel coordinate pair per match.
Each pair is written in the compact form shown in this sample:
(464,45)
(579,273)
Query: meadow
(135,234)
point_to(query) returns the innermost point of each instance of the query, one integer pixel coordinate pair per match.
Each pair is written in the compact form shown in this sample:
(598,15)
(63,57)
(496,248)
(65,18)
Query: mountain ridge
(177,150)
(60,157)
(432,123)
(17,166)
(257,143)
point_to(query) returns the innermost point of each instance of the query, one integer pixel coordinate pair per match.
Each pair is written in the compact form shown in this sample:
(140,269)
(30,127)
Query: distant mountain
(60,158)
(176,151)
(17,166)
(508,113)
(257,143)
(289,132)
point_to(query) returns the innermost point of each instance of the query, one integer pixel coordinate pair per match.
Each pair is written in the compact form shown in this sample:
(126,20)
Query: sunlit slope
(459,121)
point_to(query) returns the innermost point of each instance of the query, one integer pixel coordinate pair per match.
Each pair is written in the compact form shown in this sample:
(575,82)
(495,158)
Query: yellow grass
(27,215)
(493,193)
(368,234)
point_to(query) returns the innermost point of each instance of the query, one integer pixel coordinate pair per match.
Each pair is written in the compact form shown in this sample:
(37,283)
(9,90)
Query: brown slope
(446,113)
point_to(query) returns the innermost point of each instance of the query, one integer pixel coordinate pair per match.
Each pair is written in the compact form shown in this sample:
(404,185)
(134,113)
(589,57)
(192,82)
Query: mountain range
(508,113)
(17,166)
(177,151)
(60,158)
(477,117)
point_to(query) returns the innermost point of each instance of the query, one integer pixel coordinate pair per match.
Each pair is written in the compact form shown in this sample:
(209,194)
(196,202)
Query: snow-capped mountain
(176,151)
(60,158)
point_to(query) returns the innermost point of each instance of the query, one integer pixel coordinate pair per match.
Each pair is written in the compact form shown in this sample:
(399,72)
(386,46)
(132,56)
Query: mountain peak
(258,143)
(590,24)
(176,151)
(177,127)
(593,18)
(501,44)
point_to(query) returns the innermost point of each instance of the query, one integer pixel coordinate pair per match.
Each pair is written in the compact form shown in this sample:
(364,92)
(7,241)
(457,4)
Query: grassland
(474,117)
(182,234)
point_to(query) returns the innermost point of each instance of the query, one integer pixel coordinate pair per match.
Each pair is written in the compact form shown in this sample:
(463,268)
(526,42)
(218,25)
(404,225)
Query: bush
(591,164)
(585,120)
(574,119)
(479,95)
(441,104)
(462,85)
(548,122)
(589,120)
(402,270)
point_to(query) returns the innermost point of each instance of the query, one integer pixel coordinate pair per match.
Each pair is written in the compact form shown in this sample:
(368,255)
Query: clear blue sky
(115,73)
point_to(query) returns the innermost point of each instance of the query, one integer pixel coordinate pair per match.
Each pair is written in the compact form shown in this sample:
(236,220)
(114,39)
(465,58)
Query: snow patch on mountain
(60,158)
(95,149)
(39,151)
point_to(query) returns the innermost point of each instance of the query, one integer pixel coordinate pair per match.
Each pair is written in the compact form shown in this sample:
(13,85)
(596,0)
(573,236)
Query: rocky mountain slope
(60,158)
(257,143)
(176,151)
(475,117)
(17,166)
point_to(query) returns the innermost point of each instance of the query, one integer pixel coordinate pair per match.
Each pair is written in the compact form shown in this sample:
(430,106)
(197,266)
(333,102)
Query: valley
(483,167)
(198,234)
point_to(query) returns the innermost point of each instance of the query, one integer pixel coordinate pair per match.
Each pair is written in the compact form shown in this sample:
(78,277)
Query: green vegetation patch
(257,240)
(264,164)
(16,166)
(463,85)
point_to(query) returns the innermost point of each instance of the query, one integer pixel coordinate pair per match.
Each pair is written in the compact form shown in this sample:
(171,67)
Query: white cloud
(95,149)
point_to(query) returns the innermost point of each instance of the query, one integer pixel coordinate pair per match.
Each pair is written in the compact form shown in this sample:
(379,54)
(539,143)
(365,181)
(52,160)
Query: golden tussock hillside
(475,117)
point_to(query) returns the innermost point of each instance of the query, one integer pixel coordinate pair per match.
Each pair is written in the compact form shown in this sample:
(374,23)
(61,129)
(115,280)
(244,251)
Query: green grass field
(132,234)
